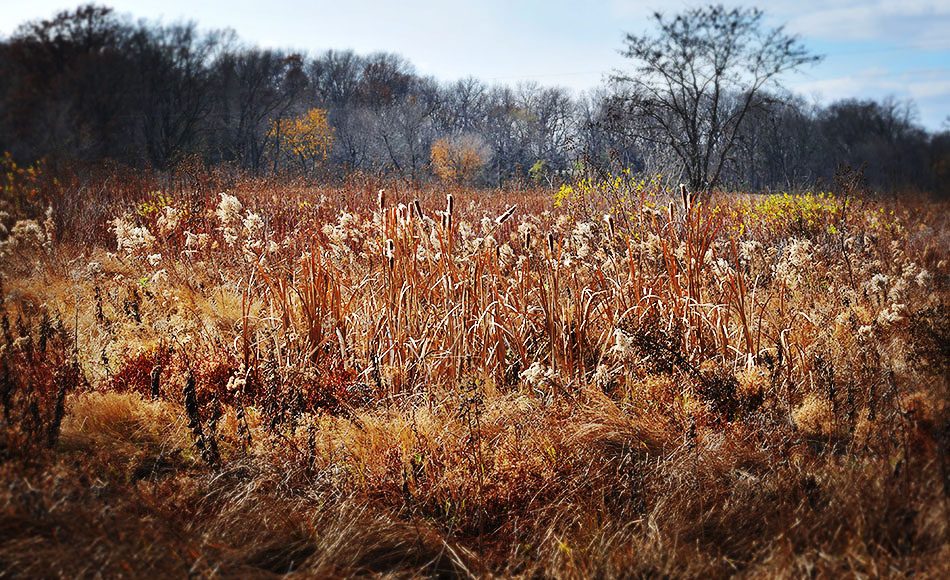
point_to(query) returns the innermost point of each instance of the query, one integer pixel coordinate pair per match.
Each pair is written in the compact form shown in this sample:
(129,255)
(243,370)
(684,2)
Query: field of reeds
(209,376)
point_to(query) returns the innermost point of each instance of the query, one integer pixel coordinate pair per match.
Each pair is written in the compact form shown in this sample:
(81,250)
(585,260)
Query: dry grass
(295,381)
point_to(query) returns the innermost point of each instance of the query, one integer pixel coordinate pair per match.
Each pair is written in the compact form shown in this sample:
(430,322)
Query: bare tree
(699,76)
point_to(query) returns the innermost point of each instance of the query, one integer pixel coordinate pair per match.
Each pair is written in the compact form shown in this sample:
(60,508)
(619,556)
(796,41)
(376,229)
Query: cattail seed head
(610,224)
(685,195)
(391,252)
(551,243)
(381,199)
(450,205)
(508,213)
(416,206)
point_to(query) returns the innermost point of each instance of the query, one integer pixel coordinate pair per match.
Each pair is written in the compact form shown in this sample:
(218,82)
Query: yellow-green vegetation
(606,380)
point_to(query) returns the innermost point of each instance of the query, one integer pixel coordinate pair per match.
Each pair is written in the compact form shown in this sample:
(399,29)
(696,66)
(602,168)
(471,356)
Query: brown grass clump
(815,417)
(281,380)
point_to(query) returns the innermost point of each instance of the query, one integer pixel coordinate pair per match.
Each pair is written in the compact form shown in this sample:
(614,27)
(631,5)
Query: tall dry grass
(267,380)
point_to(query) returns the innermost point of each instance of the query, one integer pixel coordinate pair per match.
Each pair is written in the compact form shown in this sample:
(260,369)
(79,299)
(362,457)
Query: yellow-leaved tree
(458,159)
(303,142)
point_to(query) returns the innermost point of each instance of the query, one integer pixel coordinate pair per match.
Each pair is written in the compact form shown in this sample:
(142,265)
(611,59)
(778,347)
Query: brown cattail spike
(508,213)
(450,204)
(610,224)
(381,199)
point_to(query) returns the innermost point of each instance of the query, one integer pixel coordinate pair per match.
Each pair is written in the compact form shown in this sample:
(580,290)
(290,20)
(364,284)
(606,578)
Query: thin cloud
(922,25)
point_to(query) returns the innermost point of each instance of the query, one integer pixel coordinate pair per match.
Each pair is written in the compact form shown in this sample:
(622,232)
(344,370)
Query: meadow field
(220,377)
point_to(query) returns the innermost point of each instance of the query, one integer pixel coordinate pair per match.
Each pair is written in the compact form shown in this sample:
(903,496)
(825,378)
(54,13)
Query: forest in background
(90,86)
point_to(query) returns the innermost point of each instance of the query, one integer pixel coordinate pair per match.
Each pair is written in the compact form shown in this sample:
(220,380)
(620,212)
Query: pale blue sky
(873,48)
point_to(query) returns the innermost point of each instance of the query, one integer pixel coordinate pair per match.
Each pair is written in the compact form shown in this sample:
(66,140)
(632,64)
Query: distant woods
(90,86)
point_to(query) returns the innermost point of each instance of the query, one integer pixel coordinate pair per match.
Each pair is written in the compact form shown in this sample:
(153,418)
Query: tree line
(89,85)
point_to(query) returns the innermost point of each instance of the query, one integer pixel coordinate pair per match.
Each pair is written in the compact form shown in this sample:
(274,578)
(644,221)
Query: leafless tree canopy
(702,105)
(699,77)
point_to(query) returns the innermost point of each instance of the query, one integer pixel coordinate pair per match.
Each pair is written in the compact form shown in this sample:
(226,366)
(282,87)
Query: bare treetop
(698,77)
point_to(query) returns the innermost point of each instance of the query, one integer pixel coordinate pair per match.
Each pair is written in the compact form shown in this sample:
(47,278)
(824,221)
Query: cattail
(450,204)
(610,224)
(418,208)
(391,252)
(527,240)
(685,197)
(504,217)
(551,243)
(381,199)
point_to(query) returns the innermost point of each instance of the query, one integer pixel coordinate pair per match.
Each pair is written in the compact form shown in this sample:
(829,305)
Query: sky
(872,48)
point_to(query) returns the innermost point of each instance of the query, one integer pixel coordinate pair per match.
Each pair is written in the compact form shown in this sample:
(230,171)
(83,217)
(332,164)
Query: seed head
(504,217)
(450,204)
(610,224)
(391,252)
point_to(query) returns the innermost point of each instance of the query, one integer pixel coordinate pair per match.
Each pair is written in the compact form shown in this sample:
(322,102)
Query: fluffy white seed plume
(229,210)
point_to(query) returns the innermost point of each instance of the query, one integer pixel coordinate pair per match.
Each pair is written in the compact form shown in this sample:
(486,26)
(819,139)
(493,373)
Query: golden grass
(399,385)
